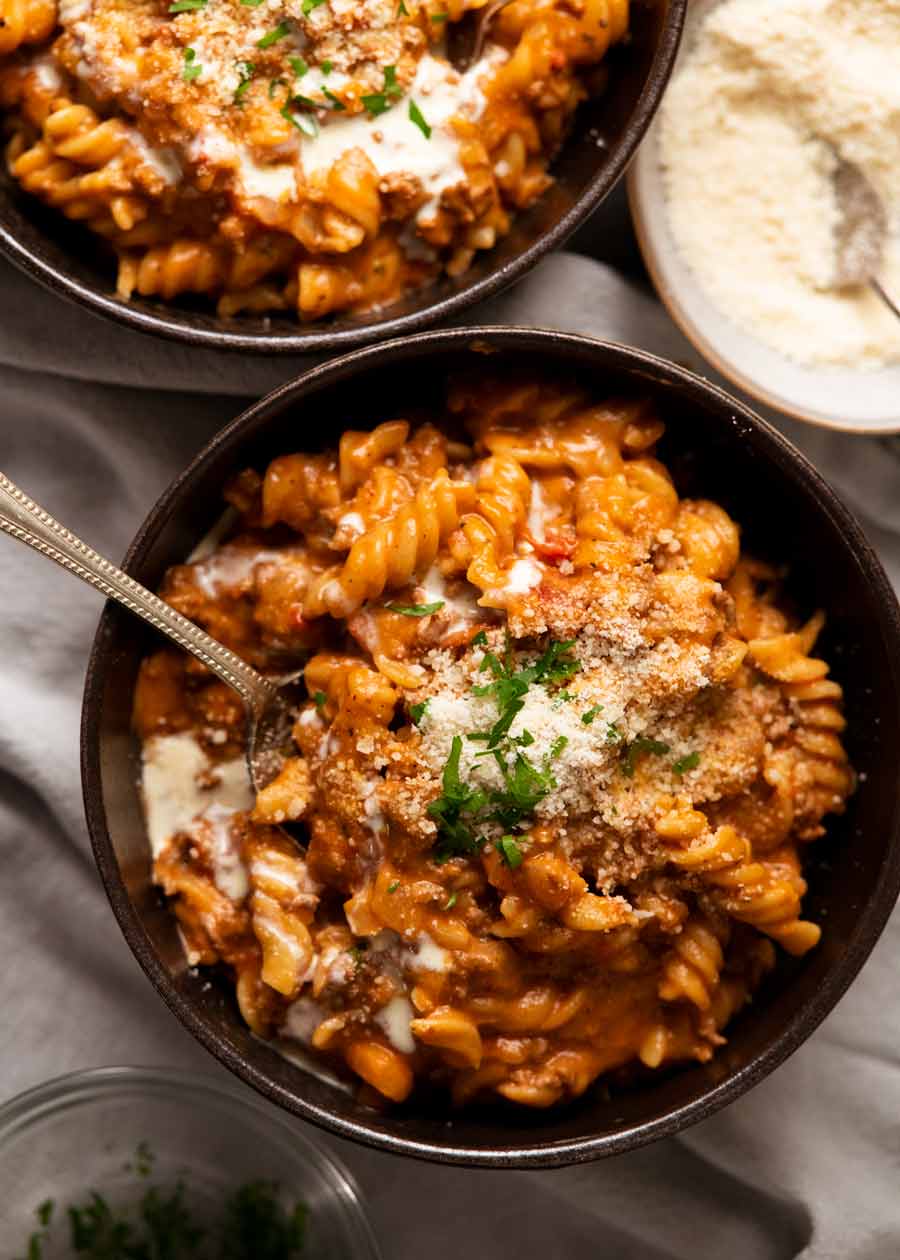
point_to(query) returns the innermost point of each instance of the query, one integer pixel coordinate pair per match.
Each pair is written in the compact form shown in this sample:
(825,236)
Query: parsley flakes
(191,70)
(186,6)
(689,762)
(415,610)
(642,744)
(303,122)
(509,850)
(378,102)
(272,37)
(246,69)
(416,116)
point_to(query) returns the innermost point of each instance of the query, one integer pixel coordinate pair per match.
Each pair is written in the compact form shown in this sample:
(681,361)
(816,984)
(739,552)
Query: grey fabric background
(806,1165)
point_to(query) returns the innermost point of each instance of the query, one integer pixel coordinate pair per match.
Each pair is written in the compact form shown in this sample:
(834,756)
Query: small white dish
(835,398)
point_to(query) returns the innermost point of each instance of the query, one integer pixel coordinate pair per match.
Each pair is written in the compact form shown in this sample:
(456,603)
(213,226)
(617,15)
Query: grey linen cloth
(807,1165)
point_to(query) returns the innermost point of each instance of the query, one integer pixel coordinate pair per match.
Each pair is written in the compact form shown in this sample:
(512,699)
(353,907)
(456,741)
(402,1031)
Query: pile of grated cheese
(768,94)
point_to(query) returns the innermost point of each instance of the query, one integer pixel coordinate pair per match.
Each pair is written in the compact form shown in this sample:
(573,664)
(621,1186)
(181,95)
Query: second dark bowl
(66,258)
(715,447)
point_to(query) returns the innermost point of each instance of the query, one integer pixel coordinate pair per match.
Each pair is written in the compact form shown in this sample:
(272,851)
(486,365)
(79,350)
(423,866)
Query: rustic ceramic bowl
(716,447)
(845,399)
(68,260)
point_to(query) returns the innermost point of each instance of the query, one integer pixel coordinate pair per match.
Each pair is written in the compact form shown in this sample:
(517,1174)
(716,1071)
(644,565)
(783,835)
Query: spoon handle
(23,519)
(885,297)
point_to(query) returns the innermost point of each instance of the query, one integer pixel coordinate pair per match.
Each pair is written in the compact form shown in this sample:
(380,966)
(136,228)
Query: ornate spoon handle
(23,519)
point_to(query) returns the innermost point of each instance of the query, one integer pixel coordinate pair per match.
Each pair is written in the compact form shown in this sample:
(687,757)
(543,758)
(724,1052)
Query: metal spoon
(466,39)
(861,232)
(269,703)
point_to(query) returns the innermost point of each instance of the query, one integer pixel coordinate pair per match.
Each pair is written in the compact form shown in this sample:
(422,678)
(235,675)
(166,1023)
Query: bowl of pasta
(271,175)
(590,814)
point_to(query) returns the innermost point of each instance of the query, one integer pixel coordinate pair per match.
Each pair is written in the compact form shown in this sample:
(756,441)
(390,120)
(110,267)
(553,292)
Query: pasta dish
(312,156)
(563,751)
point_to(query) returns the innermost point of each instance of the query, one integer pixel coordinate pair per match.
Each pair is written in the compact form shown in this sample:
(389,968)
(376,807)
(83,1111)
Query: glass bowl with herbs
(148,1164)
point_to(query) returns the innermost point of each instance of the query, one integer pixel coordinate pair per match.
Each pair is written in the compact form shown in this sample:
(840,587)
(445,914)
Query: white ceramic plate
(858,402)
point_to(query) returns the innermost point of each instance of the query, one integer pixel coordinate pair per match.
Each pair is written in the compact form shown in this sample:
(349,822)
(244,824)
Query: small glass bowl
(83,1132)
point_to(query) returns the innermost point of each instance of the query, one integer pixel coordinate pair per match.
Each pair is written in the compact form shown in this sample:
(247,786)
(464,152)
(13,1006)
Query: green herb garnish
(185,6)
(378,102)
(191,71)
(246,69)
(299,66)
(417,711)
(402,10)
(439,17)
(451,901)
(416,116)
(303,122)
(509,850)
(588,717)
(642,744)
(252,4)
(336,103)
(415,610)
(274,85)
(326,68)
(272,37)
(689,762)
(320,699)
(392,888)
(309,5)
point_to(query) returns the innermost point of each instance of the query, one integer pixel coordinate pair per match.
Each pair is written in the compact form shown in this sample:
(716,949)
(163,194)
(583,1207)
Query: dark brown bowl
(69,261)
(715,446)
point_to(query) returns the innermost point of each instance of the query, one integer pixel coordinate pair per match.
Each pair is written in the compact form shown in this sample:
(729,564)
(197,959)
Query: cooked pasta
(545,811)
(310,156)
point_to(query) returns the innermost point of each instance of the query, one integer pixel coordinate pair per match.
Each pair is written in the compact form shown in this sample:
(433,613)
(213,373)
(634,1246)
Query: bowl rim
(165,324)
(521,1154)
(85,1085)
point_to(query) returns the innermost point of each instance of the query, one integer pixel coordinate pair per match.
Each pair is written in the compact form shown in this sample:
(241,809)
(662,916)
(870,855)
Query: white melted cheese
(162,161)
(229,872)
(522,577)
(395,1020)
(301,1020)
(394,143)
(173,799)
(277,181)
(427,955)
(462,608)
(230,567)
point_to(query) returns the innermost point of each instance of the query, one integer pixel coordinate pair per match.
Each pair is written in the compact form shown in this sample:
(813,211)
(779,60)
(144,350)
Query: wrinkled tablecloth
(808,1164)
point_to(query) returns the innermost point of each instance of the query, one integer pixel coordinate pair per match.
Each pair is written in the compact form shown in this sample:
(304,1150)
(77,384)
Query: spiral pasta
(562,752)
(355,151)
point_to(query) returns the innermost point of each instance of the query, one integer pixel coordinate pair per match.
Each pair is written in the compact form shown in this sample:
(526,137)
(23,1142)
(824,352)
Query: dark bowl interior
(70,260)
(716,447)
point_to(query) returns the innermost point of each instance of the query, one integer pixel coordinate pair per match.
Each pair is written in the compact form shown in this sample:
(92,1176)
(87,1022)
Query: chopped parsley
(451,901)
(303,122)
(689,762)
(246,69)
(191,70)
(416,610)
(299,66)
(418,711)
(392,888)
(378,102)
(416,116)
(439,17)
(274,85)
(326,68)
(588,717)
(186,6)
(272,37)
(642,744)
(402,10)
(320,699)
(252,1224)
(309,5)
(613,734)
(509,850)
(336,103)
(251,4)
